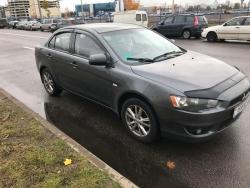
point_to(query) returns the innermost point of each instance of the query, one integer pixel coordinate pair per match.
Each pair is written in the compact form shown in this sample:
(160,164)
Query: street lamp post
(40,12)
(248,8)
(220,13)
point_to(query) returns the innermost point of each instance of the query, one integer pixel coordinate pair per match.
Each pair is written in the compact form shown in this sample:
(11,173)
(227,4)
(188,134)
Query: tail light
(72,24)
(196,21)
(53,24)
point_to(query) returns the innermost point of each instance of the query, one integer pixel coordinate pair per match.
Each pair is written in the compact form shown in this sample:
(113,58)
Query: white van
(133,17)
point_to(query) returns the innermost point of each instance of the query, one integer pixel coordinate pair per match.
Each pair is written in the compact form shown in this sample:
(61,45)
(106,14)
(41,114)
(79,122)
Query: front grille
(238,99)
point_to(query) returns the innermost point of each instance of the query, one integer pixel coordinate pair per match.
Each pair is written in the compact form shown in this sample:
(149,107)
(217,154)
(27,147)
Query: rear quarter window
(138,17)
(144,17)
(202,19)
(190,19)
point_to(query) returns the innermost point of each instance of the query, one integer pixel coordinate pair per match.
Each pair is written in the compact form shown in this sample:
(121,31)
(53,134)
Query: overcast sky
(71,3)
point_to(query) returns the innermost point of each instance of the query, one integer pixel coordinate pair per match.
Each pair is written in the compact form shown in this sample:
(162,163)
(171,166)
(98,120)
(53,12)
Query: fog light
(198,131)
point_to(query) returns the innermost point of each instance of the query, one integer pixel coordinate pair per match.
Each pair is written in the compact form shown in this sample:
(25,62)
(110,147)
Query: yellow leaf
(67,162)
(171,165)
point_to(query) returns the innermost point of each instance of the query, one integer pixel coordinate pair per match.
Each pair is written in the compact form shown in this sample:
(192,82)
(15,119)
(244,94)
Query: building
(25,9)
(216,4)
(186,6)
(227,3)
(99,8)
(2,12)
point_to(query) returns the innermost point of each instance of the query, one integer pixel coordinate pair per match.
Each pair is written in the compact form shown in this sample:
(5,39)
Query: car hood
(188,72)
(213,28)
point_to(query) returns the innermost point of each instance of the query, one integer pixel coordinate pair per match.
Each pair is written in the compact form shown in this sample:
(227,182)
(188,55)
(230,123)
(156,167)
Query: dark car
(185,26)
(12,24)
(3,22)
(153,85)
(67,22)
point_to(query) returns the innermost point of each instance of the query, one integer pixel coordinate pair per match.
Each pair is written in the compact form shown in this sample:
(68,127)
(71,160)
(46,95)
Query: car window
(85,46)
(59,23)
(235,22)
(168,20)
(190,19)
(62,41)
(52,43)
(138,17)
(178,19)
(144,17)
(247,22)
(55,21)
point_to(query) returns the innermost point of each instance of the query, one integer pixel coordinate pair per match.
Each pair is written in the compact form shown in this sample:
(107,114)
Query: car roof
(107,27)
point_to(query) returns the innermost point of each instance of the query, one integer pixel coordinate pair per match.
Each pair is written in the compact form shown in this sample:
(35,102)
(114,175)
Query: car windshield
(138,43)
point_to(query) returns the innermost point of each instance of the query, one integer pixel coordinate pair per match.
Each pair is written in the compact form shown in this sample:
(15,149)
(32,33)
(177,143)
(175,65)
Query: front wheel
(212,37)
(186,34)
(139,120)
(41,29)
(49,83)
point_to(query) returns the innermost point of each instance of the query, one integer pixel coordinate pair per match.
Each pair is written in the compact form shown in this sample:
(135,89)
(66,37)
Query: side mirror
(98,60)
(225,24)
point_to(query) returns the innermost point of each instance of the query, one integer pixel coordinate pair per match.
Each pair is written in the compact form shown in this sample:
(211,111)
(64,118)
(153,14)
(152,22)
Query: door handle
(49,56)
(74,64)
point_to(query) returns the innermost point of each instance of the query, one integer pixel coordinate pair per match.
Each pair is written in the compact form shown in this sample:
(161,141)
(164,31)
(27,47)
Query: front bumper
(197,127)
(35,27)
(204,34)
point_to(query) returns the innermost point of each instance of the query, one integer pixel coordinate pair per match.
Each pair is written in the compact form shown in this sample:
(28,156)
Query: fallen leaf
(67,162)
(58,172)
(6,117)
(171,165)
(22,118)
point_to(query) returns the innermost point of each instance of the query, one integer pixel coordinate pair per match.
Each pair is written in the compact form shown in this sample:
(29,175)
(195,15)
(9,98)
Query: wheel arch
(212,32)
(128,95)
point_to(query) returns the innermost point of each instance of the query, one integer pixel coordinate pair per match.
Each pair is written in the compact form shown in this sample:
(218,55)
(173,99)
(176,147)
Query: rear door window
(62,42)
(138,17)
(202,19)
(144,17)
(178,19)
(190,19)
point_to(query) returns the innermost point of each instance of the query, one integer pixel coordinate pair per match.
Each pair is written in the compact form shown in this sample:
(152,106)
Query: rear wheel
(212,37)
(49,83)
(41,29)
(139,120)
(186,34)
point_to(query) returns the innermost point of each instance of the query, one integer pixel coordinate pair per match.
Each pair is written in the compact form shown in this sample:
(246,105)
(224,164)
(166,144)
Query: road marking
(28,48)
(24,35)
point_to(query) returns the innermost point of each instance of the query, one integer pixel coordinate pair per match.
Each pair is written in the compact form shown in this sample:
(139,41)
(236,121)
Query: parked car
(235,29)
(12,24)
(3,22)
(67,22)
(32,25)
(185,26)
(48,24)
(21,25)
(149,82)
(131,17)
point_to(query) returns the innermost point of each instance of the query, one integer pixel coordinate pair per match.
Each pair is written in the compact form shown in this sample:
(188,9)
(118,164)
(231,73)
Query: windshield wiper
(141,60)
(166,54)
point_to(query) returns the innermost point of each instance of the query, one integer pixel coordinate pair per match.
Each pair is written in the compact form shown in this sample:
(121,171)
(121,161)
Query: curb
(113,174)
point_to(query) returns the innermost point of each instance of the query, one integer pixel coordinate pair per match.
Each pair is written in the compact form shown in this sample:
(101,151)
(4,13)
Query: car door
(231,29)
(245,30)
(90,81)
(177,25)
(165,27)
(58,58)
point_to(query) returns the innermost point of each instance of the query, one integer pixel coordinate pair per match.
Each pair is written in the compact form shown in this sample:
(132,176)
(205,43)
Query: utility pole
(248,8)
(40,12)
(173,7)
(82,10)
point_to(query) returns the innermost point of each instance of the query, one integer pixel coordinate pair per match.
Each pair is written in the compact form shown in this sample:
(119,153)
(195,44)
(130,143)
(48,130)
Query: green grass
(31,156)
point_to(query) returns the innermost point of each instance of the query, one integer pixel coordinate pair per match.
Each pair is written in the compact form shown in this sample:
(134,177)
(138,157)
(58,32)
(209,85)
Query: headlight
(193,104)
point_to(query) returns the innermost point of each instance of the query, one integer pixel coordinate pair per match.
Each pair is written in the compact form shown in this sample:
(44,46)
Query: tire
(41,29)
(186,34)
(212,37)
(149,132)
(51,88)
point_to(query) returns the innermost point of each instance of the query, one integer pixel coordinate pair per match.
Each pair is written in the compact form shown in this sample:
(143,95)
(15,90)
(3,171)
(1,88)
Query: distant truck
(132,17)
(3,22)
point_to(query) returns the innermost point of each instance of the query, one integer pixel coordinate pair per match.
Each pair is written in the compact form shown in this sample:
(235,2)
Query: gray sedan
(154,86)
(32,25)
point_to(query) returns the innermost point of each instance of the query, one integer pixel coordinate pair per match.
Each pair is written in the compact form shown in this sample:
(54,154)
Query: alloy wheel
(138,121)
(48,82)
(186,34)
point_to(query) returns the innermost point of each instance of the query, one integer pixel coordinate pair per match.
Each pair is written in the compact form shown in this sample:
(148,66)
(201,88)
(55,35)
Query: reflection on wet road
(220,162)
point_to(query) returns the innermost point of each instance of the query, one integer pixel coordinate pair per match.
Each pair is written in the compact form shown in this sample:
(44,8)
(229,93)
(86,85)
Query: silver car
(21,25)
(48,24)
(32,25)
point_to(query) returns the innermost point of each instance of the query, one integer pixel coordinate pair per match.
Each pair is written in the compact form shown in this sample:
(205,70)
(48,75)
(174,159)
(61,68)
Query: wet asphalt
(223,161)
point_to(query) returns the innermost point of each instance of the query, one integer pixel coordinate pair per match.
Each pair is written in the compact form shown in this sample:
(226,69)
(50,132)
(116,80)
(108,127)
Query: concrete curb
(113,174)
